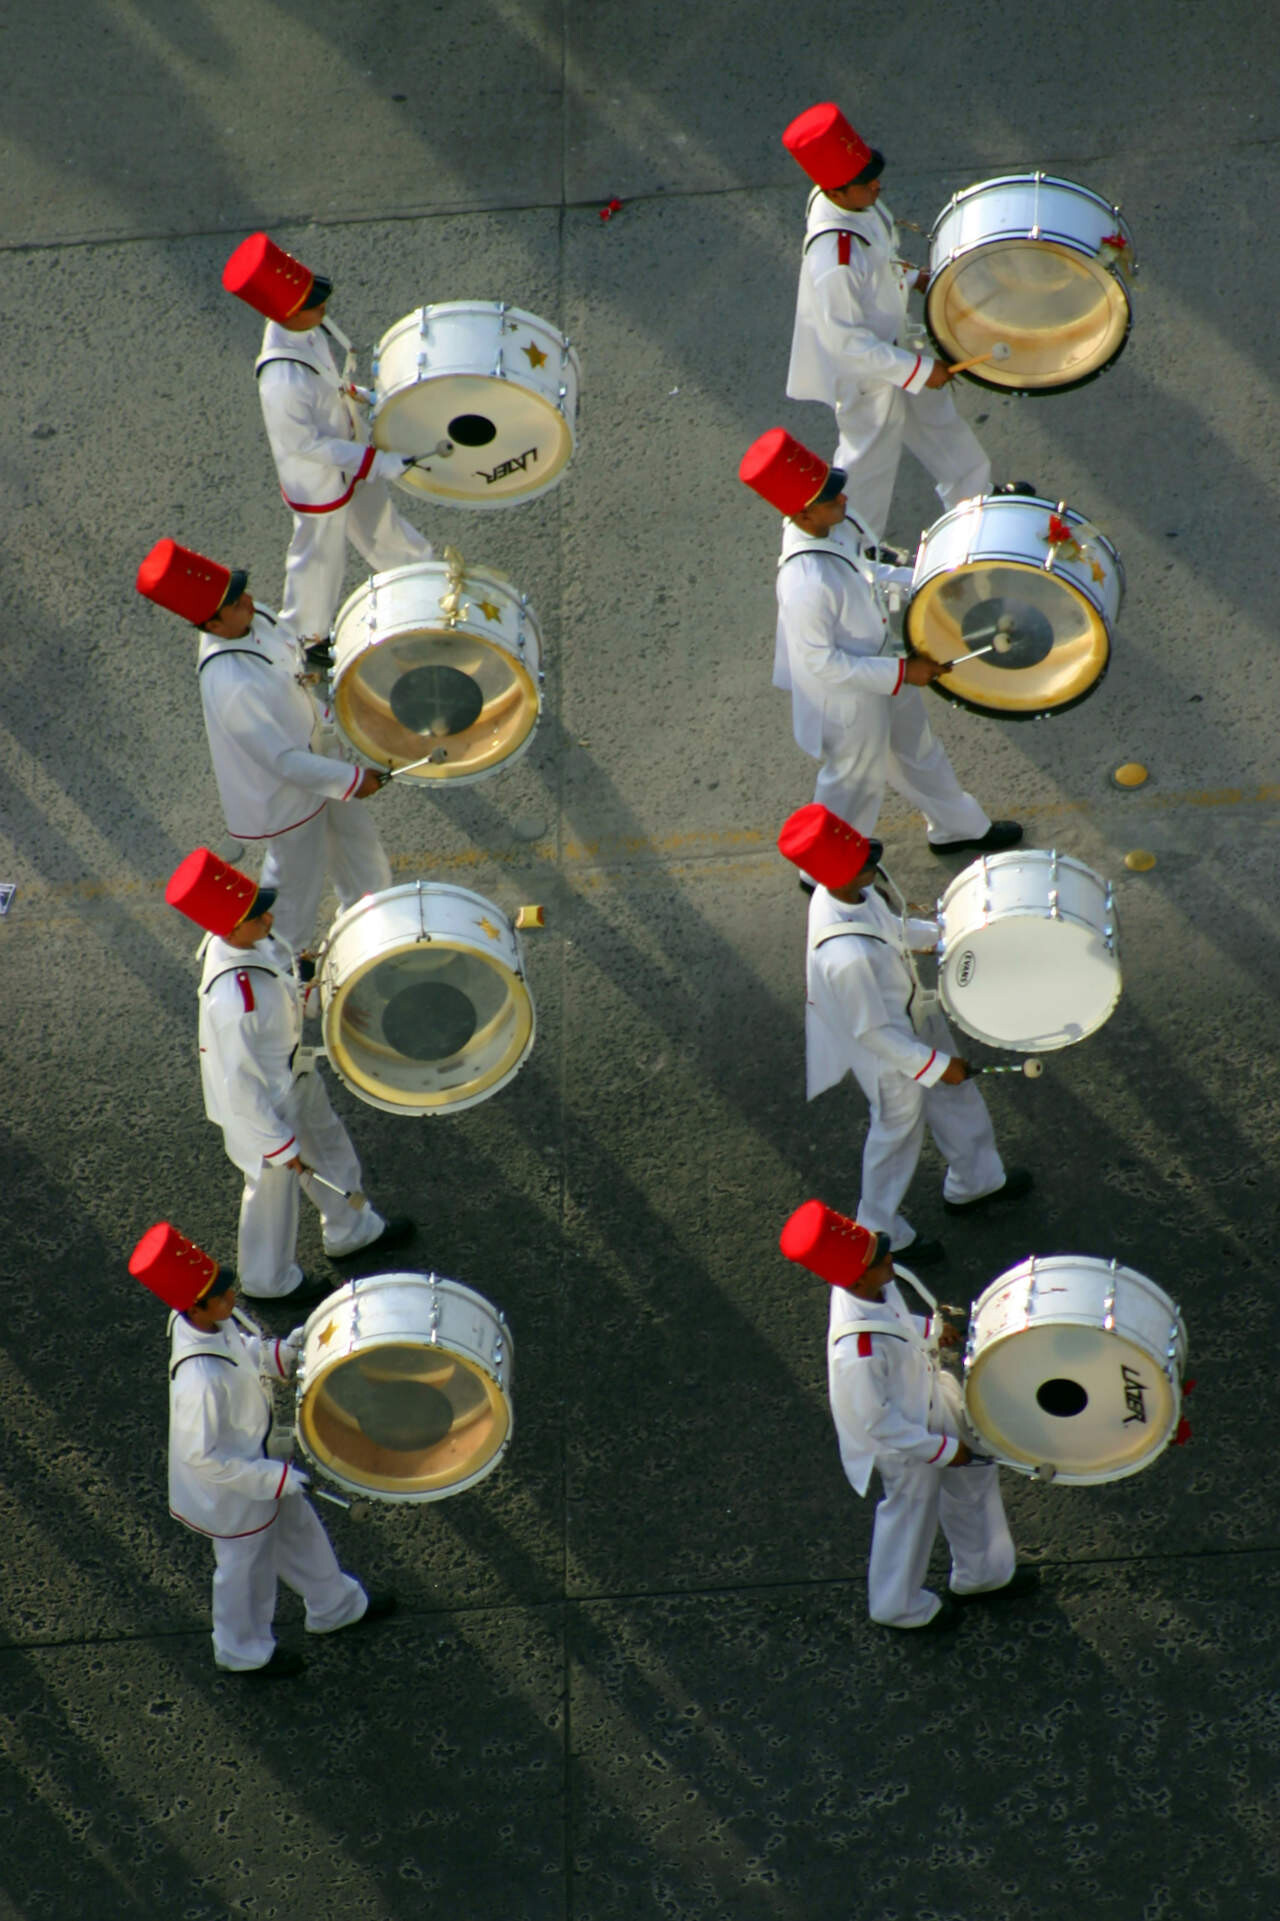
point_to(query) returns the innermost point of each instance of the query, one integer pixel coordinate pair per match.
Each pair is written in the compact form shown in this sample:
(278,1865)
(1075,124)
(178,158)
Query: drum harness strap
(882,1324)
(839,927)
(345,385)
(863,567)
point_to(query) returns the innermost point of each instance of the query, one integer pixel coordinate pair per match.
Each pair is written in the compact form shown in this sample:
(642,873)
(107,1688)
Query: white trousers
(296,1550)
(316,562)
(917,1499)
(889,743)
(269,1204)
(340,844)
(957,1118)
(876,428)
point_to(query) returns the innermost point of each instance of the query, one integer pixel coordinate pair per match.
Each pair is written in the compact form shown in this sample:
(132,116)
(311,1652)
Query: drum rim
(502,307)
(500,1381)
(1017,857)
(483,571)
(444,770)
(1032,179)
(996,386)
(1018,504)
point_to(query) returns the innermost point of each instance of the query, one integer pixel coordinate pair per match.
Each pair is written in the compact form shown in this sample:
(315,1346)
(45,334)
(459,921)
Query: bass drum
(1032,581)
(424,1007)
(440,663)
(1028,950)
(1035,264)
(404,1387)
(485,393)
(1073,1368)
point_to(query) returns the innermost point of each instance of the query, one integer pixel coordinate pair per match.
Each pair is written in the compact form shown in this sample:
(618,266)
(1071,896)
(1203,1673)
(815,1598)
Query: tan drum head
(1063,315)
(504,442)
(468,704)
(1053,644)
(405,1419)
(1092,1404)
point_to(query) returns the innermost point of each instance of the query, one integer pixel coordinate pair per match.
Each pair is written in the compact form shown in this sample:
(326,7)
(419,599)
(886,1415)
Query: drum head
(1094,1405)
(1052,645)
(423,1011)
(1063,314)
(1031,982)
(507,442)
(398,1403)
(469,703)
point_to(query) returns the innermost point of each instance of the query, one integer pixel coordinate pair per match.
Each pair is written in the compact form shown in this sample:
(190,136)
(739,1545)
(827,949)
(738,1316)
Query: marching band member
(221,1484)
(261,1087)
(851,312)
(856,704)
(897,1411)
(334,481)
(264,731)
(867,1014)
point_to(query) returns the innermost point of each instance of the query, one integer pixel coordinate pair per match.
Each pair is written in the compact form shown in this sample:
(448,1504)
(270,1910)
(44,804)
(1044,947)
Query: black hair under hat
(872,171)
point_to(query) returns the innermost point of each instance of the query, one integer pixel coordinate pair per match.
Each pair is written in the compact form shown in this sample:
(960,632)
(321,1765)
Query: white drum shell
(1056,213)
(997,528)
(484,359)
(406,600)
(1073,1319)
(1029,950)
(395,922)
(397,1310)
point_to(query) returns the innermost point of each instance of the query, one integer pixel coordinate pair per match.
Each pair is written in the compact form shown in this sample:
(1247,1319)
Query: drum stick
(1032,1067)
(354,1199)
(394,773)
(1000,351)
(323,1494)
(1000,645)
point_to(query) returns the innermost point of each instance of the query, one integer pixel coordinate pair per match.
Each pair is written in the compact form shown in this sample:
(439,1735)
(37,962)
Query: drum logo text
(967,968)
(518,464)
(1133,1392)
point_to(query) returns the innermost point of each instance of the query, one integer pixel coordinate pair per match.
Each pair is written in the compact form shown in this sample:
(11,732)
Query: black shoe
(308,1293)
(380,1606)
(1023,488)
(947,1617)
(319,656)
(397,1232)
(920,1254)
(890,556)
(1000,834)
(1024,1581)
(282,1666)
(1017,1182)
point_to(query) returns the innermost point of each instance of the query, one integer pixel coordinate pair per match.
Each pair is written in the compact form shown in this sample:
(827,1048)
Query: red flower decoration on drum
(1059,531)
(1182,1433)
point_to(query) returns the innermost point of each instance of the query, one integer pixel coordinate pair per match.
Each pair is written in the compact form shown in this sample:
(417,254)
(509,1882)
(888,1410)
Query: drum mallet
(999,351)
(1032,1067)
(356,1509)
(354,1199)
(1000,645)
(394,773)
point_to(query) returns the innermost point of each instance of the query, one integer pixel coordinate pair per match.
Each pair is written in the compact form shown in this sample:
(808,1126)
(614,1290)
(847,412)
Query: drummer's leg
(323,1143)
(269,1233)
(354,857)
(244,1599)
(305,1561)
(854,764)
(973,1519)
(890,1155)
(869,448)
(919,768)
(901,1538)
(313,572)
(946,446)
(384,537)
(295,865)
(961,1125)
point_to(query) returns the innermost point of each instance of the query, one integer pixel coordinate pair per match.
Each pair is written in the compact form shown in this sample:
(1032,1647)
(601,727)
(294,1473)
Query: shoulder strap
(846,235)
(843,927)
(296,360)
(893,1329)
(199,1357)
(251,969)
(251,652)
(828,553)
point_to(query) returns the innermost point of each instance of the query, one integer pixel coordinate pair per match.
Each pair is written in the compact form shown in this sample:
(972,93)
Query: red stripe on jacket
(332,506)
(246,992)
(928,1064)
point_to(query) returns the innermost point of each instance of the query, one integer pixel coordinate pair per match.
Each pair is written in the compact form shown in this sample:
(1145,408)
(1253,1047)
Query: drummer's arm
(229,1034)
(259,730)
(811,627)
(863,1389)
(289,393)
(860,350)
(864,1011)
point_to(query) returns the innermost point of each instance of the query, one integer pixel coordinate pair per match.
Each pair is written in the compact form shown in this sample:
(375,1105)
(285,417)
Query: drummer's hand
(940,376)
(956,1071)
(920,671)
(298,1165)
(370,784)
(962,1457)
(922,280)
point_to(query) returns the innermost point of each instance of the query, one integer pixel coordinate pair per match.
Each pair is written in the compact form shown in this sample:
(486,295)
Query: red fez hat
(173,1267)
(826,146)
(828,1244)
(826,847)
(783,472)
(268,278)
(187,583)
(212,893)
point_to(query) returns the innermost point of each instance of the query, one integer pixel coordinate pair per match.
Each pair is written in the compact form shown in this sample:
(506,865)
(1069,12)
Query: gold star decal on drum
(1099,573)
(487,927)
(328,1334)
(535,355)
(490,610)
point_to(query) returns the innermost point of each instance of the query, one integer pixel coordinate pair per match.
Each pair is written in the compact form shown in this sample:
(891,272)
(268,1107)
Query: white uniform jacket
(883,1378)
(833,643)
(250,1030)
(851,309)
(220,1481)
(263,728)
(318,433)
(862,996)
